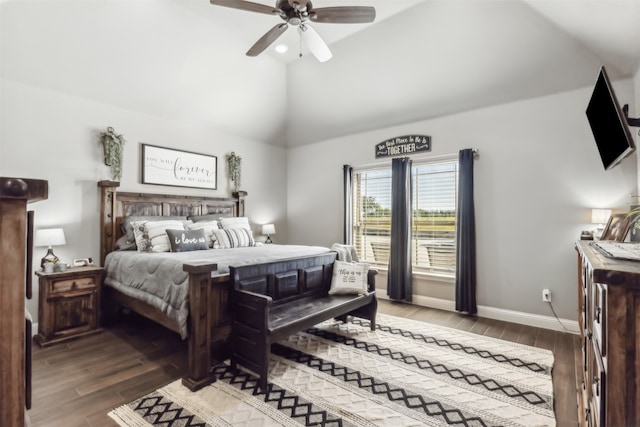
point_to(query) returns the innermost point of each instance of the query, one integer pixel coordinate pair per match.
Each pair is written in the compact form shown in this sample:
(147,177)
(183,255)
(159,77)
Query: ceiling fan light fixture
(282,48)
(314,43)
(297,13)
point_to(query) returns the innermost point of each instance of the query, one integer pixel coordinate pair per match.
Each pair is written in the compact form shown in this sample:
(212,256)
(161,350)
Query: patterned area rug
(406,373)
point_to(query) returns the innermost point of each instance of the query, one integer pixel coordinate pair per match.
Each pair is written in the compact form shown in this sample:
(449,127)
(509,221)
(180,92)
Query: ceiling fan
(299,13)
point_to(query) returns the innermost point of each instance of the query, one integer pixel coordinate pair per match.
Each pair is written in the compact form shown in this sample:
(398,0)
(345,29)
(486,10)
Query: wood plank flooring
(76,383)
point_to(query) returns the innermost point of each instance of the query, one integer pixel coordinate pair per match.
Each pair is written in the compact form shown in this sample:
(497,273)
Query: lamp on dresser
(268,230)
(600,217)
(49,237)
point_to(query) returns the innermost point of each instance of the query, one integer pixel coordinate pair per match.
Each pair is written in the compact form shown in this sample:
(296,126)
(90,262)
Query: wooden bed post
(107,218)
(240,195)
(200,319)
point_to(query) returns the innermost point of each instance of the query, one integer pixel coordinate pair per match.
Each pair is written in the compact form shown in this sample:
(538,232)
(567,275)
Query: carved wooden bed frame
(209,322)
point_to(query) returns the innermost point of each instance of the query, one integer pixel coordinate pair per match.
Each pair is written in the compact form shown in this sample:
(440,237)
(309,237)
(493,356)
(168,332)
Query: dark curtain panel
(466,237)
(399,280)
(348,204)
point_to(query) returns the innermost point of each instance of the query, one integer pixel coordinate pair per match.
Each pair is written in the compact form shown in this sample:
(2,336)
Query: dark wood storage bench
(274,300)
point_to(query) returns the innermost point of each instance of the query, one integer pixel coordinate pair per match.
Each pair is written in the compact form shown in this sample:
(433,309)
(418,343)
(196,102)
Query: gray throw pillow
(187,240)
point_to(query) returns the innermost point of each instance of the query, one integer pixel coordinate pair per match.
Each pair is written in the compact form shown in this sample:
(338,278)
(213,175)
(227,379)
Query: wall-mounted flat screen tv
(608,123)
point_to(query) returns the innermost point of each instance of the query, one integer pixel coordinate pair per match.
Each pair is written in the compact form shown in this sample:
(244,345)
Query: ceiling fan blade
(266,40)
(344,14)
(247,5)
(314,42)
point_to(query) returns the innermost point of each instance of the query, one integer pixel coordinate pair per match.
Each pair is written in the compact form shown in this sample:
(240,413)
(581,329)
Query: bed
(195,301)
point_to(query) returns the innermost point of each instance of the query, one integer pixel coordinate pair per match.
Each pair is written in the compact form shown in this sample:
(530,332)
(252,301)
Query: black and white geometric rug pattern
(406,373)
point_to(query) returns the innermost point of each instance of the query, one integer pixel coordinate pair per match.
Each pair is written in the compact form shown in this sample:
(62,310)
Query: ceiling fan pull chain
(300,40)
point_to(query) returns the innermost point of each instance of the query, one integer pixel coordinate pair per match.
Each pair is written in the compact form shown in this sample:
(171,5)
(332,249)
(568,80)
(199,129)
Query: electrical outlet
(546,295)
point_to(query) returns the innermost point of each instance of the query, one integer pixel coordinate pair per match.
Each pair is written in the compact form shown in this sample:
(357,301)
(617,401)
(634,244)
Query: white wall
(436,58)
(53,136)
(537,177)
(169,59)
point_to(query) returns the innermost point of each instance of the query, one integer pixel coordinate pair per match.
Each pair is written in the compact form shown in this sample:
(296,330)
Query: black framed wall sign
(167,166)
(403,145)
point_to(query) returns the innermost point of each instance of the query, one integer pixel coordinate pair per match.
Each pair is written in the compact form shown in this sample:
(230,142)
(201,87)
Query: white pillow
(208,227)
(234,238)
(349,278)
(235,222)
(157,234)
(140,236)
(127,223)
(135,225)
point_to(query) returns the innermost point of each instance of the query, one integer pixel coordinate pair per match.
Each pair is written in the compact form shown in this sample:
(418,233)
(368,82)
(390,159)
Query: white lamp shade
(600,216)
(314,43)
(49,237)
(268,229)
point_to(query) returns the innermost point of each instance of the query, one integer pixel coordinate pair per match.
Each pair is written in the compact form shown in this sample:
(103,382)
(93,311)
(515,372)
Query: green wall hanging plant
(113,144)
(235,169)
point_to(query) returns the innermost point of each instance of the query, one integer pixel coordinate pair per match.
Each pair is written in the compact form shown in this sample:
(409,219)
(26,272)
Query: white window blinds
(434,215)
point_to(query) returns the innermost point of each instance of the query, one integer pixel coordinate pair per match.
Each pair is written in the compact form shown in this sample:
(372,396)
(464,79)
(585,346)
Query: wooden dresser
(16,246)
(609,318)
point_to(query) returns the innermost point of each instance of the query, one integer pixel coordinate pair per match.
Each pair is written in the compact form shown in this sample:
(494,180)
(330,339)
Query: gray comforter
(158,278)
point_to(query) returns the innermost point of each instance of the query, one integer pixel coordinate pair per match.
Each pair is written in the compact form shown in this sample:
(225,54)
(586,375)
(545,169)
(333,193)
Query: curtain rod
(386,161)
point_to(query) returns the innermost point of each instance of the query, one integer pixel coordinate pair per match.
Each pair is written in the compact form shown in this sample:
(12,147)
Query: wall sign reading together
(403,145)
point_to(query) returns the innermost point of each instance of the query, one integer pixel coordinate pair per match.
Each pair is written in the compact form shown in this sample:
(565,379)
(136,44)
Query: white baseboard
(537,320)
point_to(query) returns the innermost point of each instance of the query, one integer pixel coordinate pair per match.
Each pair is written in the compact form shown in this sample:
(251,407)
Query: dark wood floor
(78,382)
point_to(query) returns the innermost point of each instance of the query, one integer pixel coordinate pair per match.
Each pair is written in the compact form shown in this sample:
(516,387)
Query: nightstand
(69,305)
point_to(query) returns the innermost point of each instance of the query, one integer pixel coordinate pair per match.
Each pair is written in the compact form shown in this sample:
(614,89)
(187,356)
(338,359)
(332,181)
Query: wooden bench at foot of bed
(274,300)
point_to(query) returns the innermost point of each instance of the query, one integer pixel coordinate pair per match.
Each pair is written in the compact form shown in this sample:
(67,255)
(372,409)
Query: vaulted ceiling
(184,60)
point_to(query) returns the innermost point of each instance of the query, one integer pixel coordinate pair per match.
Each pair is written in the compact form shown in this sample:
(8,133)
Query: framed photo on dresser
(633,233)
(616,228)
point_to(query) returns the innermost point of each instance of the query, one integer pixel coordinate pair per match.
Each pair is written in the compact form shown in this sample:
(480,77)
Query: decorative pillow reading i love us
(187,240)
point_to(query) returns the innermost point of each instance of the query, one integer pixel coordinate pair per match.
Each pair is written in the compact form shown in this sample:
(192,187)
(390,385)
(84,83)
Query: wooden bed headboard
(114,206)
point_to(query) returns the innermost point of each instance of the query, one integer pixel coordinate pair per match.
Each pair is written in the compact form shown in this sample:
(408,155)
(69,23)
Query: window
(434,215)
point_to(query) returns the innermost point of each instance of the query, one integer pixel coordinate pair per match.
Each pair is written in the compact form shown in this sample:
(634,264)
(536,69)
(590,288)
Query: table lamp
(49,237)
(268,229)
(600,217)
